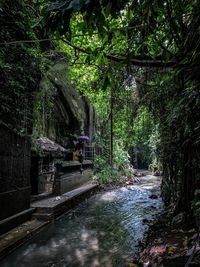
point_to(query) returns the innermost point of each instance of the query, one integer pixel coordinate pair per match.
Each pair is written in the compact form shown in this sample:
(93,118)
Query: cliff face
(60,111)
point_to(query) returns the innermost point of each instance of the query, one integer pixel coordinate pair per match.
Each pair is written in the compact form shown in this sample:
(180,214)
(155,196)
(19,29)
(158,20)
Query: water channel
(102,231)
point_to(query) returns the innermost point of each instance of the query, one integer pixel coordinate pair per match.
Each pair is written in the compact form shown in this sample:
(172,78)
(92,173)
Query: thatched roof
(47,145)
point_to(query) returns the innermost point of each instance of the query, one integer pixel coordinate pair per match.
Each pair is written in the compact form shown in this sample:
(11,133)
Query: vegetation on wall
(17,62)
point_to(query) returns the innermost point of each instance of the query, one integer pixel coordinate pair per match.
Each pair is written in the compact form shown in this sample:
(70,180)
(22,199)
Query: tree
(20,65)
(162,34)
(155,43)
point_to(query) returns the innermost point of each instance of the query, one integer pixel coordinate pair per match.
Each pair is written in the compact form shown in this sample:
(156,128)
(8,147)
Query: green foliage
(196,208)
(142,130)
(104,173)
(197,212)
(155,151)
(44,108)
(120,155)
(19,65)
(95,13)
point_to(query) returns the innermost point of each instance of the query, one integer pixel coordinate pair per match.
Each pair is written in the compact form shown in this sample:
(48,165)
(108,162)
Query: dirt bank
(170,242)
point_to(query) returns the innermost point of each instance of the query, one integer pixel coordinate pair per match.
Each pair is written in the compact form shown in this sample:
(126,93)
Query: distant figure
(77,152)
(80,156)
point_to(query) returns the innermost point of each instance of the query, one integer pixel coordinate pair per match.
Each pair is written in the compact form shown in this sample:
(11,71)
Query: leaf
(106,83)
(88,59)
(58,6)
(75,5)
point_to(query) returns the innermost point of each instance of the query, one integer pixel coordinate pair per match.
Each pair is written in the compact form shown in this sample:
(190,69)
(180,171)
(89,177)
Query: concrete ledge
(75,163)
(15,220)
(70,181)
(17,236)
(40,196)
(55,206)
(69,166)
(14,201)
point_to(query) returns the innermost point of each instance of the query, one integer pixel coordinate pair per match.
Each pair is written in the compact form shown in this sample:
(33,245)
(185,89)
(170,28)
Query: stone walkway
(51,208)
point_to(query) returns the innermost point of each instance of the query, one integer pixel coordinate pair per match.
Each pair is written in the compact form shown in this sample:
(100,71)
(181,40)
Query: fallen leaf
(171,250)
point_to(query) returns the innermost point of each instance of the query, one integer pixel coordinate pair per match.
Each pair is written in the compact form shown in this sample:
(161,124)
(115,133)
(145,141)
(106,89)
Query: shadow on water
(102,231)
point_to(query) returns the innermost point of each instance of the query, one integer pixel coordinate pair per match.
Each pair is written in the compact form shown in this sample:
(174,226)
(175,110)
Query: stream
(103,231)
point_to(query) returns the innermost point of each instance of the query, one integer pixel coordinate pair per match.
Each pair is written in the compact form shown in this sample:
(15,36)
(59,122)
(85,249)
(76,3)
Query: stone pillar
(57,182)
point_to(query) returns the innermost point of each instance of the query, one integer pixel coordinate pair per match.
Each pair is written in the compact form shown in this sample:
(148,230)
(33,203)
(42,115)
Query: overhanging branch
(76,47)
(142,62)
(137,62)
(27,41)
(116,58)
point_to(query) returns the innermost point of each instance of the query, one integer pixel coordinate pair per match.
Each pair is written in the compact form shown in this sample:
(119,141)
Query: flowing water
(102,231)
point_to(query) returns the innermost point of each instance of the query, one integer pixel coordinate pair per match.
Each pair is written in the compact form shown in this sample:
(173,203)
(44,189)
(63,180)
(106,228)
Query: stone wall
(69,113)
(68,176)
(14,172)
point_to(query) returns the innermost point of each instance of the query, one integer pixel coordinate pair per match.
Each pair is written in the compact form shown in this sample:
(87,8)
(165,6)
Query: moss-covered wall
(60,111)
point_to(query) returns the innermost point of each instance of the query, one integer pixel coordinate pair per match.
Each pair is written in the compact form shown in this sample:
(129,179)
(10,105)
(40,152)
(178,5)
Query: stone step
(53,207)
(18,235)
(15,220)
(70,166)
(40,196)
(75,163)
(43,216)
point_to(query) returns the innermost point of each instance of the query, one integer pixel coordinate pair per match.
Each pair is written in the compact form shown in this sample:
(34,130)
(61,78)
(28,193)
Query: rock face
(69,101)
(70,113)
